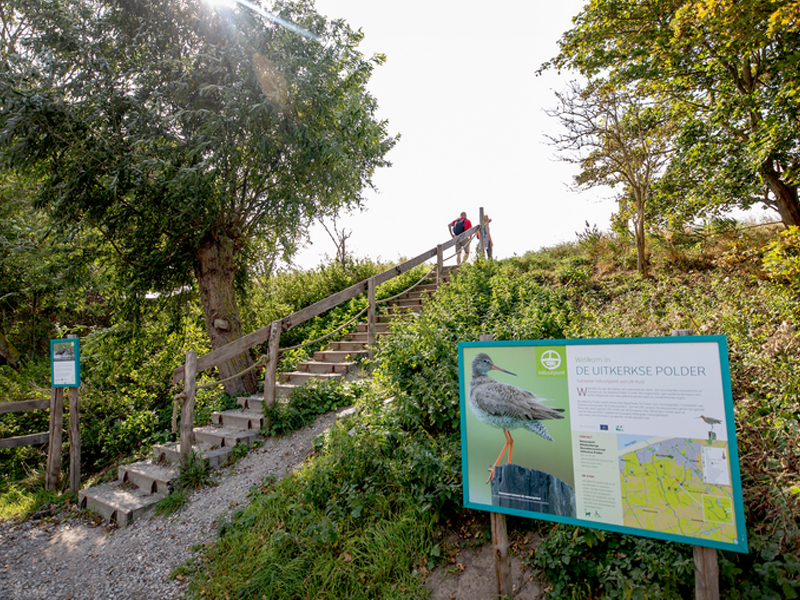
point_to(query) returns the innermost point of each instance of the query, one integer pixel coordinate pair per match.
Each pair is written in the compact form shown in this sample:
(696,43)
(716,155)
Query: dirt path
(69,557)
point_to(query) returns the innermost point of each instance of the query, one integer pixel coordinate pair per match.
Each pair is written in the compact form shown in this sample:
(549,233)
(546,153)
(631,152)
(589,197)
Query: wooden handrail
(32,439)
(262,335)
(10,407)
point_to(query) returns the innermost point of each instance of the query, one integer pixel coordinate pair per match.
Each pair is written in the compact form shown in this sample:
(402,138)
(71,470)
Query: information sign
(65,363)
(634,435)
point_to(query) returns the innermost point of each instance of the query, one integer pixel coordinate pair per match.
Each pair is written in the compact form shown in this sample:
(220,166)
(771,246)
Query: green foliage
(291,291)
(280,547)
(194,473)
(782,258)
(741,57)
(595,564)
(23,496)
(173,502)
(309,401)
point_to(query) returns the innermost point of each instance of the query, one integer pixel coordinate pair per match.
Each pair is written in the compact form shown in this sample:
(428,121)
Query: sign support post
(706,568)
(502,563)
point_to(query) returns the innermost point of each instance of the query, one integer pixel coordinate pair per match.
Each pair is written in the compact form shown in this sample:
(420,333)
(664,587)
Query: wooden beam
(74,442)
(271,370)
(24,440)
(502,561)
(10,407)
(187,411)
(372,320)
(53,474)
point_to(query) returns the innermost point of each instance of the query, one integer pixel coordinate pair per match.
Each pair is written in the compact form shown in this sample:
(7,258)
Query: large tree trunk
(215,270)
(786,195)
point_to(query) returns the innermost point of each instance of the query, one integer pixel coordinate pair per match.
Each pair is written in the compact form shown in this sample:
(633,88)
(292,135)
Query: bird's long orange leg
(510,442)
(510,446)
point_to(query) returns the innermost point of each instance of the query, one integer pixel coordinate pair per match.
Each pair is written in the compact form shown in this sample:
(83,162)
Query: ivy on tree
(190,137)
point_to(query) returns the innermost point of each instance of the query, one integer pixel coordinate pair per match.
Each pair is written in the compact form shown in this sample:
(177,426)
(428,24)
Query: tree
(189,138)
(617,139)
(339,239)
(728,70)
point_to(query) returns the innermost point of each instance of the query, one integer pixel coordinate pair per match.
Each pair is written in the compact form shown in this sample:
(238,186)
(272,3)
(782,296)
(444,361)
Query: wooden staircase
(140,485)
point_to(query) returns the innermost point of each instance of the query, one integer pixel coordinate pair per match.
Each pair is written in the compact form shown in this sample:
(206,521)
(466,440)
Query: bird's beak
(496,368)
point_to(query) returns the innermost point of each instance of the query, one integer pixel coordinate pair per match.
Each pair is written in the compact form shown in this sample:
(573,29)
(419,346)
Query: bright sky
(459,85)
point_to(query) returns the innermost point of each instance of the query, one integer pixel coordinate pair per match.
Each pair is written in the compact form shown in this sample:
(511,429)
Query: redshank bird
(710,420)
(505,406)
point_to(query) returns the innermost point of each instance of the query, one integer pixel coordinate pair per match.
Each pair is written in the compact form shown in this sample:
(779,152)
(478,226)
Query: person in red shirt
(457,227)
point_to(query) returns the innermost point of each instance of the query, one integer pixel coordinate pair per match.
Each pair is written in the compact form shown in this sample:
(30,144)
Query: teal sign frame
(645,442)
(65,363)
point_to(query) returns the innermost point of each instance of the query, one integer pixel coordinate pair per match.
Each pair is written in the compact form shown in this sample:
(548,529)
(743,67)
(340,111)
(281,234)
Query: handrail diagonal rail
(262,335)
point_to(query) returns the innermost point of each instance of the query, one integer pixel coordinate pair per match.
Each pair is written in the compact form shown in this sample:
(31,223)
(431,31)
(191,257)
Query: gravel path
(74,560)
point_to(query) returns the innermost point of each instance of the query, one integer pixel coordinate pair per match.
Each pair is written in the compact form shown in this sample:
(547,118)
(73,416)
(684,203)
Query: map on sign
(634,435)
(677,486)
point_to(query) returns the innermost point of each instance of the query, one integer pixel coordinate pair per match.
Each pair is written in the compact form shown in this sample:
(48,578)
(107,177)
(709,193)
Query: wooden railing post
(371,319)
(706,567)
(74,442)
(53,474)
(271,370)
(439,264)
(481,241)
(187,411)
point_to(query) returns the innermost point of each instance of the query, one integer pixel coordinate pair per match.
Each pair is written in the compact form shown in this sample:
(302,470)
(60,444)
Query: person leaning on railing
(457,227)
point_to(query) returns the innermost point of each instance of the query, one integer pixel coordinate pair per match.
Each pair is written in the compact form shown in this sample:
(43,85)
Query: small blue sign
(65,363)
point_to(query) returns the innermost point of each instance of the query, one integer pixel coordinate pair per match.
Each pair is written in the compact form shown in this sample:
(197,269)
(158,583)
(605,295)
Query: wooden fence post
(481,241)
(187,412)
(53,474)
(706,567)
(74,442)
(439,264)
(371,319)
(271,370)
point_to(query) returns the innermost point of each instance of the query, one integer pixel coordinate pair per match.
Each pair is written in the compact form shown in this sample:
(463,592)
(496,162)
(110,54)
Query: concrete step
(224,437)
(282,390)
(379,327)
(363,337)
(347,345)
(254,402)
(118,502)
(215,456)
(149,475)
(318,367)
(415,294)
(412,303)
(298,378)
(238,419)
(338,356)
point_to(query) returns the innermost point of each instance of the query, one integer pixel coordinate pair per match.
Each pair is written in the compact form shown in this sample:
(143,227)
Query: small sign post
(65,363)
(65,372)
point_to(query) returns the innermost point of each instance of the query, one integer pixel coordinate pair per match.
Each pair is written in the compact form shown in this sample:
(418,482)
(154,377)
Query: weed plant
(194,473)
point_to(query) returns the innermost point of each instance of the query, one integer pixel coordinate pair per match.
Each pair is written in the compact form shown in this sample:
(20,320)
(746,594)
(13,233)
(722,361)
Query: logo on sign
(551,360)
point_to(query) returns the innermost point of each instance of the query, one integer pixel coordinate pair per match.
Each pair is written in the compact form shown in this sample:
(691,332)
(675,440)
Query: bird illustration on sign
(710,420)
(505,406)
